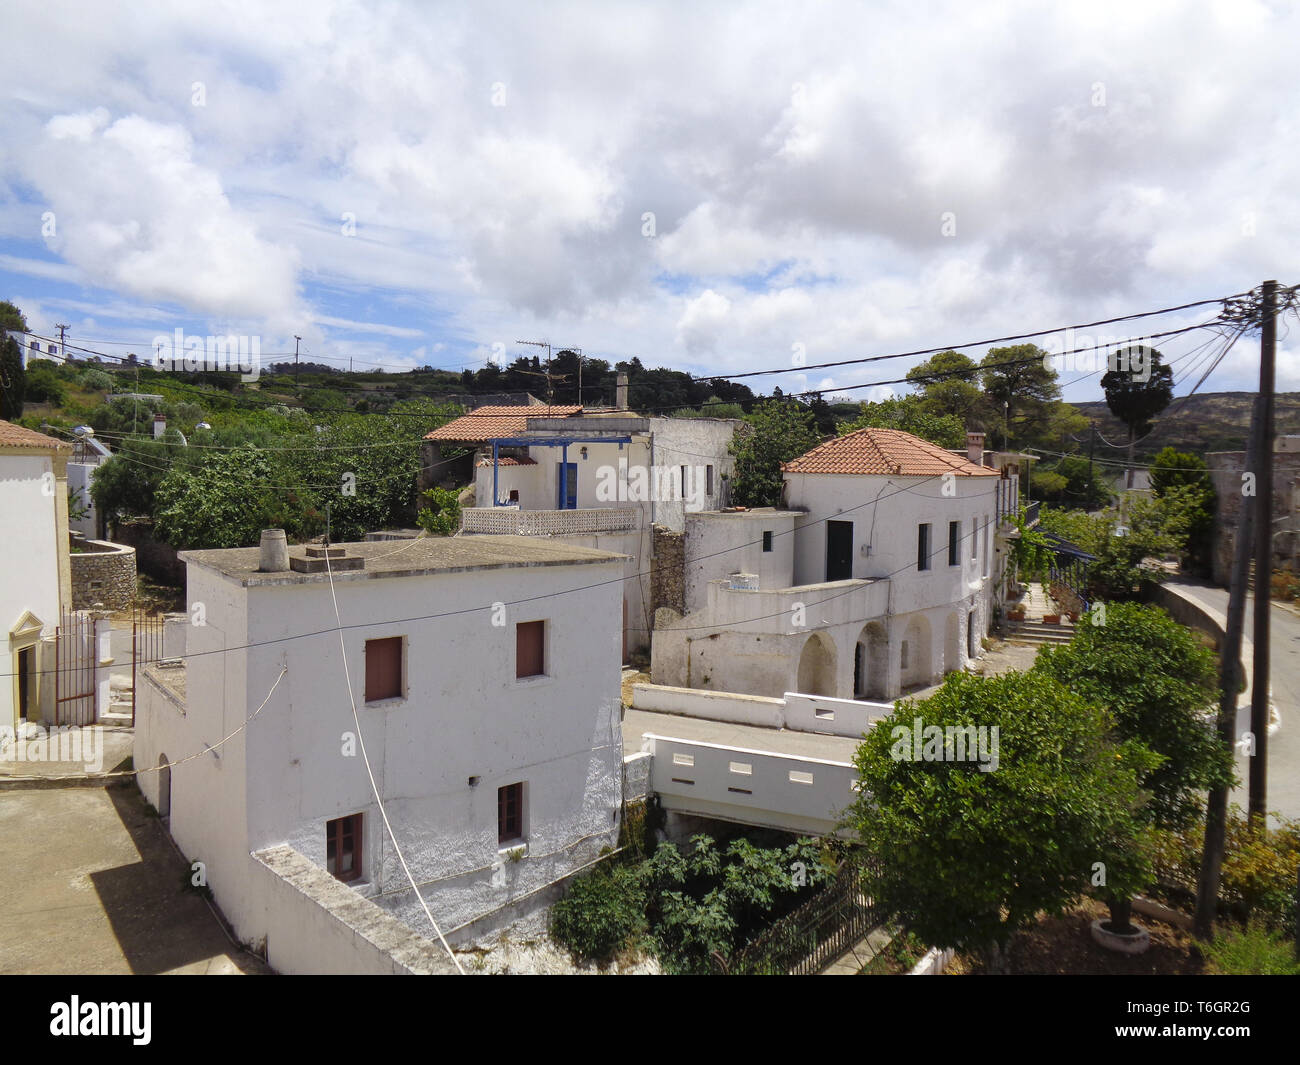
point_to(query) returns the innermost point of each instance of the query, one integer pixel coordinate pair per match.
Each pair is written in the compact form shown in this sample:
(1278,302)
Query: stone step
(115,717)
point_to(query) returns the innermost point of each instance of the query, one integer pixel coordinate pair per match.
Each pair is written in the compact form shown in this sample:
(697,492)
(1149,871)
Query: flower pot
(1015,615)
(1073,615)
(1051,619)
(1135,942)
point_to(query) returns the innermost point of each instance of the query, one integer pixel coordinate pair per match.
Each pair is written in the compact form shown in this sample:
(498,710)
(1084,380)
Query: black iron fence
(808,939)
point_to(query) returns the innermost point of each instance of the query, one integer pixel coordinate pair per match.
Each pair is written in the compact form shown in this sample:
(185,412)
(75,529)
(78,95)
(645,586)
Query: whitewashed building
(598,478)
(485,677)
(35,577)
(874,579)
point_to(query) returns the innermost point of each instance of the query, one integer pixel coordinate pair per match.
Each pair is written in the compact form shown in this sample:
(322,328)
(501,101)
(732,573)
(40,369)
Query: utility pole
(63,351)
(295,360)
(1263,555)
(1092,477)
(1216,812)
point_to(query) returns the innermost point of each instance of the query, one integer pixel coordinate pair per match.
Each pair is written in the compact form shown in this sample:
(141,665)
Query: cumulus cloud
(134,212)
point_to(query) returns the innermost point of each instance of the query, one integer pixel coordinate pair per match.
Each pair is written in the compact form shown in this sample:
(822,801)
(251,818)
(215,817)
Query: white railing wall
(506,521)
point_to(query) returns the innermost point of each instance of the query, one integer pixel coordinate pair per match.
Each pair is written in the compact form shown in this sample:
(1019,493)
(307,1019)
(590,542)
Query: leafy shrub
(1259,868)
(602,913)
(1255,951)
(442,516)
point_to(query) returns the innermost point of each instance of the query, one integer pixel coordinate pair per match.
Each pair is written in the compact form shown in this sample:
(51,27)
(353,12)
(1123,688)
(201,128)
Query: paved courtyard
(92,885)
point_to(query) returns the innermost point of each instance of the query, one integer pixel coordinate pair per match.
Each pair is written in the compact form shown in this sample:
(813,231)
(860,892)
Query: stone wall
(668,570)
(153,556)
(1226,468)
(103,575)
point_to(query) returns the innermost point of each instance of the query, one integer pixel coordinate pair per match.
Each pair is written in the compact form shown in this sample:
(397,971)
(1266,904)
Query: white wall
(29,570)
(718,544)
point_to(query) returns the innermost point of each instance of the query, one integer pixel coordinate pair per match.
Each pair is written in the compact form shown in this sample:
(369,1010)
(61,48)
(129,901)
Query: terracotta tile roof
(889,452)
(16,436)
(509,460)
(488,423)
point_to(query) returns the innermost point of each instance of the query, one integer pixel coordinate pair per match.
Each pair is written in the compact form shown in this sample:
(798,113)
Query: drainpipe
(564,478)
(495,494)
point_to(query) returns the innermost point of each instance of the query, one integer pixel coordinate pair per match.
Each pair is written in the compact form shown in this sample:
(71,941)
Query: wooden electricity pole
(1263,556)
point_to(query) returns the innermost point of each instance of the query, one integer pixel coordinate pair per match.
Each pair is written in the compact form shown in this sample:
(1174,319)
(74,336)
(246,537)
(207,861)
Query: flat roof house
(484,672)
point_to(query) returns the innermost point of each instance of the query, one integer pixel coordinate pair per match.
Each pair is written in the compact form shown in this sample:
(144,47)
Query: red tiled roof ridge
(12,435)
(884,452)
(488,422)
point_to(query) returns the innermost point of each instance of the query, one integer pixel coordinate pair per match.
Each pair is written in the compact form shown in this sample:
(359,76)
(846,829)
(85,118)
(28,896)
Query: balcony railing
(506,521)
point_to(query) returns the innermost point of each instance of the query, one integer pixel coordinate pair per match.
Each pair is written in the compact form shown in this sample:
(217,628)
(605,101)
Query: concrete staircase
(1039,632)
(121,700)
(1036,603)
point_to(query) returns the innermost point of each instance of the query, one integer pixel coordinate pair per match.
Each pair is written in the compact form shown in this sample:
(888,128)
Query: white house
(35,578)
(88,454)
(599,478)
(485,674)
(874,579)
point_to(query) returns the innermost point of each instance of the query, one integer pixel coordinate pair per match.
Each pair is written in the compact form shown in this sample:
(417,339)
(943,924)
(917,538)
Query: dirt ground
(1063,945)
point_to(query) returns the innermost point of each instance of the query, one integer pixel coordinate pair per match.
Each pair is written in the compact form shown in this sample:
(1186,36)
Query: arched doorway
(164,789)
(871,662)
(817,666)
(915,654)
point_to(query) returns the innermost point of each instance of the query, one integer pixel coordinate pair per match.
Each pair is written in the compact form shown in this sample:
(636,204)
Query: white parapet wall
(796,711)
(712,706)
(786,792)
(835,717)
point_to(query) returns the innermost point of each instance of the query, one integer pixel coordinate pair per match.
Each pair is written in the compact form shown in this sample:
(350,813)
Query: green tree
(1127,547)
(125,485)
(1182,482)
(12,379)
(226,500)
(969,853)
(1136,398)
(43,383)
(949,384)
(1160,686)
(1022,389)
(11,318)
(442,516)
(775,432)
(909,414)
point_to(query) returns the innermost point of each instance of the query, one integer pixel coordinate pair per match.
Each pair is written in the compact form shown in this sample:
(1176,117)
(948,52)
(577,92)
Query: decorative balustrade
(506,521)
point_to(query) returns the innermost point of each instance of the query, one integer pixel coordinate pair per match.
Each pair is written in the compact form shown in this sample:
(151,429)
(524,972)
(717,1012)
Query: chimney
(975,448)
(159,425)
(275,552)
(620,391)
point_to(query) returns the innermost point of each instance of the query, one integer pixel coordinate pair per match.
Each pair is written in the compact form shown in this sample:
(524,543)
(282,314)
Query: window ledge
(386,704)
(538,681)
(520,846)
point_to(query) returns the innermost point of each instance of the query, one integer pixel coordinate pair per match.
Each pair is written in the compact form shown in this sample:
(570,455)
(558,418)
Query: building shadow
(159,922)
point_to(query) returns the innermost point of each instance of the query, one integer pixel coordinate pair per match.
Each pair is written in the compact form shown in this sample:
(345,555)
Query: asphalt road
(1284,744)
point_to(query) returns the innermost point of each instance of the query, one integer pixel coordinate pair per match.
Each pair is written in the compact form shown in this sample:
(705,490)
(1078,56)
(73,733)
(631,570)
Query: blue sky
(712,187)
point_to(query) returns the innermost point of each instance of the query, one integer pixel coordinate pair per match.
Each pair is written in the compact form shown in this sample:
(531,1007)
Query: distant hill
(1213,421)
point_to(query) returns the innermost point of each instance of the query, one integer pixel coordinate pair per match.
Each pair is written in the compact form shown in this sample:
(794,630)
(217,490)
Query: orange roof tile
(489,423)
(16,436)
(888,452)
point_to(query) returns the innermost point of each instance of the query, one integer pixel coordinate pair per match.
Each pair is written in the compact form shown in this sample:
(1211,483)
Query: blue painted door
(568,486)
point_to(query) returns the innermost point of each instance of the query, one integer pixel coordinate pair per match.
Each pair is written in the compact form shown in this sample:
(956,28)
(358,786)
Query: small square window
(530,649)
(767,541)
(343,847)
(510,814)
(384,669)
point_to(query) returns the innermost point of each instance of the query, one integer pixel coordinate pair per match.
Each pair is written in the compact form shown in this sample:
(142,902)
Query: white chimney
(975,448)
(274,556)
(620,391)
(159,425)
